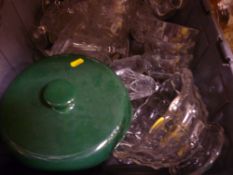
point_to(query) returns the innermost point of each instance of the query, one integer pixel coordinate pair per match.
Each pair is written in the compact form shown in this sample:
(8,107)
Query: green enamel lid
(64,113)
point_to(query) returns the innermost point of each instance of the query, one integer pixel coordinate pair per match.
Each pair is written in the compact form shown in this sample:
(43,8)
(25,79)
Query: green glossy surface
(62,139)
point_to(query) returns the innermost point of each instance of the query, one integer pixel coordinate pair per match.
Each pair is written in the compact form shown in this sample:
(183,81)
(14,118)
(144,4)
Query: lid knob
(59,95)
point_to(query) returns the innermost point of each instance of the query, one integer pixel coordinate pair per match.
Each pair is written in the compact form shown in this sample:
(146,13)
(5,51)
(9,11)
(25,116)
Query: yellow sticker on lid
(76,62)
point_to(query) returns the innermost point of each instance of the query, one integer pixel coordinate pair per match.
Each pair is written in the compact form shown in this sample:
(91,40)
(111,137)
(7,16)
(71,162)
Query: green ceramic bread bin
(64,113)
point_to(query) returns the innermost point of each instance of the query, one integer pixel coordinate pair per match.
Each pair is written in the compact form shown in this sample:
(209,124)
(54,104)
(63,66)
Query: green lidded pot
(64,113)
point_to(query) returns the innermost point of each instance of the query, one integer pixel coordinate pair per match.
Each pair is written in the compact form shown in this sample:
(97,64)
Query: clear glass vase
(170,130)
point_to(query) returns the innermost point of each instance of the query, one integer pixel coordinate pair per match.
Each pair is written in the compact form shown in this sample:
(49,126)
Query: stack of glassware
(170,127)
